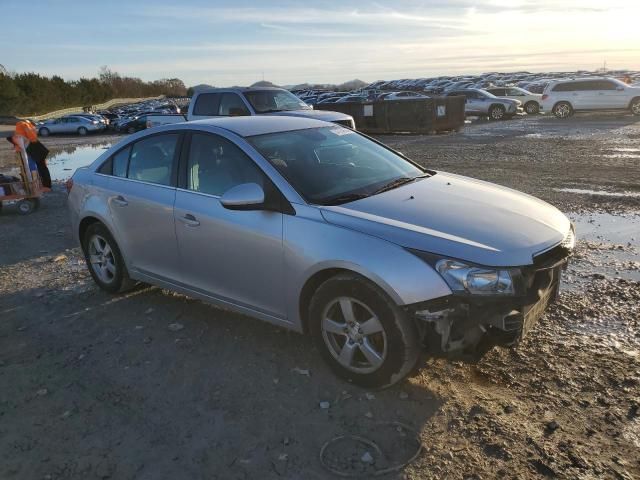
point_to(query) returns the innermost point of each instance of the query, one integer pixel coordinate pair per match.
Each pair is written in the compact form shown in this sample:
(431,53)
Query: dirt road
(153,385)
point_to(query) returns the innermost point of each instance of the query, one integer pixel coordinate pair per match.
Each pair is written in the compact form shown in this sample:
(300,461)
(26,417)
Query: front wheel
(28,205)
(44,132)
(532,108)
(635,106)
(496,112)
(104,260)
(82,131)
(562,110)
(361,333)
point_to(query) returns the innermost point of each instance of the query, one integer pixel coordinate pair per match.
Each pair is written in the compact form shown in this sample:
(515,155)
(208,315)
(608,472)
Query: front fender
(313,245)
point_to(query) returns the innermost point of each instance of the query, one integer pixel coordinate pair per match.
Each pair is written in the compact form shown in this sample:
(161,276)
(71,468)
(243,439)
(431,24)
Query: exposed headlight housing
(475,280)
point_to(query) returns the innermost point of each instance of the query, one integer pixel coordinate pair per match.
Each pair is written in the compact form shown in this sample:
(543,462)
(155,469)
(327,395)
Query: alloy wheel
(497,113)
(354,335)
(102,260)
(635,107)
(562,111)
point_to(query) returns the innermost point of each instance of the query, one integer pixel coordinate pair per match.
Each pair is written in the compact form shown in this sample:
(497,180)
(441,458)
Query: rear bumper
(470,325)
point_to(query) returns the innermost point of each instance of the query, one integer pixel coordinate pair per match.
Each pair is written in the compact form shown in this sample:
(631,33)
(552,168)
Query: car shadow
(156,379)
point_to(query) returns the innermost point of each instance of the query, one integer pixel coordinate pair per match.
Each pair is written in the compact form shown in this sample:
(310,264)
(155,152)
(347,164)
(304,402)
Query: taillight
(69,185)
(545,96)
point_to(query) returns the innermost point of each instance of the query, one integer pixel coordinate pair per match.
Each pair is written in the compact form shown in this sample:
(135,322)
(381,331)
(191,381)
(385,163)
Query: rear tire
(635,106)
(496,112)
(532,108)
(361,333)
(44,132)
(104,260)
(82,131)
(562,110)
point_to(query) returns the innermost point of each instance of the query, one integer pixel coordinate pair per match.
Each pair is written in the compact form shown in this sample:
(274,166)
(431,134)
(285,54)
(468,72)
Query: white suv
(564,97)
(531,101)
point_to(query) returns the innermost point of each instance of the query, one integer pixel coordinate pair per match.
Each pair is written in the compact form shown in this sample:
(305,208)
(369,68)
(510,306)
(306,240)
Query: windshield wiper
(349,197)
(398,182)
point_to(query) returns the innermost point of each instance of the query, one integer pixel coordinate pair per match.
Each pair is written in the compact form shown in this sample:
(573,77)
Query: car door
(141,204)
(586,95)
(612,95)
(234,256)
(58,126)
(475,103)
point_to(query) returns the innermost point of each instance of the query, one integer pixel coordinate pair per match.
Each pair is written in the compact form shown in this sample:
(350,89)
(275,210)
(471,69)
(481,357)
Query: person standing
(24,137)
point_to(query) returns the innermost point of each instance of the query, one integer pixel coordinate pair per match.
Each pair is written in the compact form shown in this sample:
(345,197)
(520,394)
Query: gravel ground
(153,385)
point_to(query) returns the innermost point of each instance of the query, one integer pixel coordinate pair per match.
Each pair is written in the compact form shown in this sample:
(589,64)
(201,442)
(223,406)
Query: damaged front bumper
(472,324)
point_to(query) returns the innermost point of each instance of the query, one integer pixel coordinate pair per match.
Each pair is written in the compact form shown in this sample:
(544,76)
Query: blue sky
(237,42)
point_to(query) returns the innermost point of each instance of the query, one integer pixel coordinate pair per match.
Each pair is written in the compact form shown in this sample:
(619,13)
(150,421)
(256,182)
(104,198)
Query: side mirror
(246,196)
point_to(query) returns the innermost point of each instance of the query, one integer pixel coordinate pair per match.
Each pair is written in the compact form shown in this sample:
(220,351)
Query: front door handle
(190,221)
(120,201)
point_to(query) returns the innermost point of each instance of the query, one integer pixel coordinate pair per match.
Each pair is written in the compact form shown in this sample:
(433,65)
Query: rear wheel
(104,260)
(361,333)
(44,132)
(82,131)
(635,106)
(496,112)
(131,130)
(562,110)
(532,108)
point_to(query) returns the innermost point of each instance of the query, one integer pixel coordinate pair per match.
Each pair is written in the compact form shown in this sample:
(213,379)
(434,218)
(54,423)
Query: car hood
(458,217)
(316,114)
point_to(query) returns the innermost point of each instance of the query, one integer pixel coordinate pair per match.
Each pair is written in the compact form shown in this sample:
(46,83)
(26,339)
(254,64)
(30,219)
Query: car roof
(247,126)
(237,89)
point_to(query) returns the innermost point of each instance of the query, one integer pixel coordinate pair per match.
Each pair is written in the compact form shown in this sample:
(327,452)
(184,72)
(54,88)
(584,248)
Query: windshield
(333,165)
(264,101)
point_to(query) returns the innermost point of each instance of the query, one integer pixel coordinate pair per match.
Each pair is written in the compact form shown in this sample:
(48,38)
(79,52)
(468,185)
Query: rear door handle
(120,201)
(190,221)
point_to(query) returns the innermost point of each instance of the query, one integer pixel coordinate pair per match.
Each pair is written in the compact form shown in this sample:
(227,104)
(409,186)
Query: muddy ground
(152,385)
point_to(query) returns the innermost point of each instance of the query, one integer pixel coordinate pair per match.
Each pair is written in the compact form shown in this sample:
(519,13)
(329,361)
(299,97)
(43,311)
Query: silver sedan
(70,124)
(317,228)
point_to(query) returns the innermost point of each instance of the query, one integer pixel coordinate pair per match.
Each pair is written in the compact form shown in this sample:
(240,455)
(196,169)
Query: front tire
(532,108)
(635,106)
(44,132)
(496,112)
(82,131)
(28,205)
(361,333)
(104,260)
(562,110)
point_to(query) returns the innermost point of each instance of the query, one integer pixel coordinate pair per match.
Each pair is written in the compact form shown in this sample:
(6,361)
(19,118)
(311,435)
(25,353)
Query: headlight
(475,280)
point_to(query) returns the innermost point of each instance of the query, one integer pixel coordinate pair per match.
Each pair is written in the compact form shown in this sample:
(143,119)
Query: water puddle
(603,193)
(608,245)
(622,155)
(62,164)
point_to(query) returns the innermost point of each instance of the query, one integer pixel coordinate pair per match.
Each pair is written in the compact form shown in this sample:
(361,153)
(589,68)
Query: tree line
(33,94)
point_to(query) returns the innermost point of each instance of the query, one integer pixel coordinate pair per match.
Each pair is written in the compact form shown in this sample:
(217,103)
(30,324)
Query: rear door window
(152,159)
(207,104)
(121,162)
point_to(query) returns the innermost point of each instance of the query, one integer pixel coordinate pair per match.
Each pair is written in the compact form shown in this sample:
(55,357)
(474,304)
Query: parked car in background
(353,99)
(482,103)
(531,102)
(404,96)
(316,228)
(229,102)
(69,124)
(564,97)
